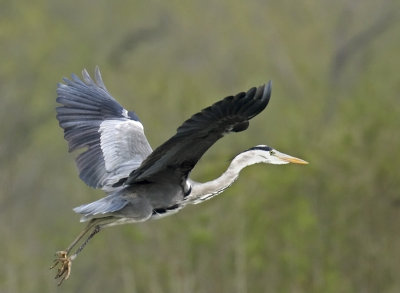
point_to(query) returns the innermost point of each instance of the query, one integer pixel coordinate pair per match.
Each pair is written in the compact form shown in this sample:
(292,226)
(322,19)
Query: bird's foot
(63,262)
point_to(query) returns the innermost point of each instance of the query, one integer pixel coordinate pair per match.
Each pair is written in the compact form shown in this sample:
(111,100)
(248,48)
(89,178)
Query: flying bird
(141,183)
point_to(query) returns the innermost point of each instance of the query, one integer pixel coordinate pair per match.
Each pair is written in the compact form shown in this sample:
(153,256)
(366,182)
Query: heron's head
(268,155)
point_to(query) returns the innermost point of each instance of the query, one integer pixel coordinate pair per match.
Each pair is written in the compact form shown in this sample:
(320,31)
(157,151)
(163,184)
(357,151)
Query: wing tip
(263,94)
(268,89)
(86,79)
(265,91)
(98,78)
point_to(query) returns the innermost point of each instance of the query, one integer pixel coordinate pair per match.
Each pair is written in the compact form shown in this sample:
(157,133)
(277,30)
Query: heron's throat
(203,191)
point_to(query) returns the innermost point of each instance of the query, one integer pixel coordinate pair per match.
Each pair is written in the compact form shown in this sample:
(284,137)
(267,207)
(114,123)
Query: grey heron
(142,184)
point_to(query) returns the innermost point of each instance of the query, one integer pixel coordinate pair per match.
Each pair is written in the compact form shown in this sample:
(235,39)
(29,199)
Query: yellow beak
(291,159)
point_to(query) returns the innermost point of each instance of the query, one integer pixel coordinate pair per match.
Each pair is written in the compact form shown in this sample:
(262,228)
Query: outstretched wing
(176,157)
(112,138)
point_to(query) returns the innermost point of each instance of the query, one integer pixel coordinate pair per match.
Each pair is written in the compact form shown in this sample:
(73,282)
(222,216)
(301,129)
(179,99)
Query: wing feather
(175,158)
(113,138)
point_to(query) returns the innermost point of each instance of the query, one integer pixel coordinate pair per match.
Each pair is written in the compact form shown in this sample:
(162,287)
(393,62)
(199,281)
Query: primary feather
(112,138)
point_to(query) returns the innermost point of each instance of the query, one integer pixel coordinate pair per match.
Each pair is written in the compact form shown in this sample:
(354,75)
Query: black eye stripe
(261,148)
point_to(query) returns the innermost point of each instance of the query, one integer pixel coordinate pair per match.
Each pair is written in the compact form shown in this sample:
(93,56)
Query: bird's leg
(62,257)
(89,226)
(94,232)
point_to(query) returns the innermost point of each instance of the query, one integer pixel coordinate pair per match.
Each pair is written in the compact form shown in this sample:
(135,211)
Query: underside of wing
(176,157)
(112,138)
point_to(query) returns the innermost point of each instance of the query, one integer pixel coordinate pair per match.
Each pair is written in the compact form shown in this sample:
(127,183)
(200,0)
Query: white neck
(203,191)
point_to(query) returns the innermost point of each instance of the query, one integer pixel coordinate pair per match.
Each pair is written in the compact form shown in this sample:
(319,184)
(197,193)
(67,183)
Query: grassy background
(331,226)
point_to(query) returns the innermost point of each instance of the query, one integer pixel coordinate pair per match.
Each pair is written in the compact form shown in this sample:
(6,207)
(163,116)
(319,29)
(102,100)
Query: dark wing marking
(112,137)
(176,157)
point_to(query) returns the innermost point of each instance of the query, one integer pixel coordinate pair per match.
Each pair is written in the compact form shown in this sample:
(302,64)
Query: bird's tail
(100,208)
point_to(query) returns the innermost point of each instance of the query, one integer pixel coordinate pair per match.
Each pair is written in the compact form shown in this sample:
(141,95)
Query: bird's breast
(161,195)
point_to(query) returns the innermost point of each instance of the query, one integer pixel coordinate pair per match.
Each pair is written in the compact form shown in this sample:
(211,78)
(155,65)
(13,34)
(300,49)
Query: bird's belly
(161,195)
(121,221)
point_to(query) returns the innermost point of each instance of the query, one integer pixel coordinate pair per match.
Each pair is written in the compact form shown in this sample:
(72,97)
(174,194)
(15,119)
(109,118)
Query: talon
(56,262)
(64,262)
(61,254)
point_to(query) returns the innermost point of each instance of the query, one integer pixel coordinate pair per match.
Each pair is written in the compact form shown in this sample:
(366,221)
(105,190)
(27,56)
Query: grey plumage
(142,184)
(113,137)
(119,159)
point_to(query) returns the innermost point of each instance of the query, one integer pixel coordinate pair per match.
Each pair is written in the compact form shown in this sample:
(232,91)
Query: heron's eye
(271,153)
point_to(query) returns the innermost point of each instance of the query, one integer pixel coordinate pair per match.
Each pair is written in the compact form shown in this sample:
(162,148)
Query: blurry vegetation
(331,226)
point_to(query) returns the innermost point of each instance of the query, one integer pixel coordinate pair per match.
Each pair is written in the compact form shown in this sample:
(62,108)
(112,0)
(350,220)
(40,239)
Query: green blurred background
(331,226)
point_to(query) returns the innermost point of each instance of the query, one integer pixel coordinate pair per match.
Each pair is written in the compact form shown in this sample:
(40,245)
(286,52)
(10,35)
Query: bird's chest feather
(160,195)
